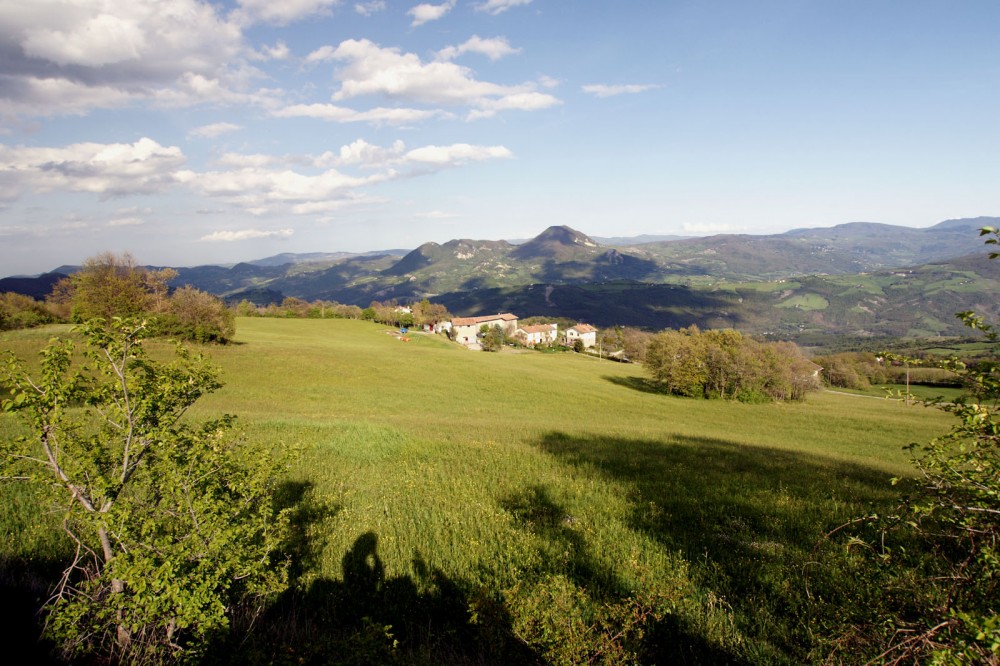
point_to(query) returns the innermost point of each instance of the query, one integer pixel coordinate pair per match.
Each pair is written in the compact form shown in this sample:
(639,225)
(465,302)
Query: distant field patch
(808,301)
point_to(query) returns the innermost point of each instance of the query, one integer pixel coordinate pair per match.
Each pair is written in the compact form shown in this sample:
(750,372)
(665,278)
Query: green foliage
(958,511)
(110,285)
(190,314)
(172,522)
(725,364)
(492,338)
(19,311)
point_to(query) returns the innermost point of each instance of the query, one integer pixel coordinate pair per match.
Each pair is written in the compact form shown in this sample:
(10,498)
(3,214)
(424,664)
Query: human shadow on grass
(747,519)
(367,617)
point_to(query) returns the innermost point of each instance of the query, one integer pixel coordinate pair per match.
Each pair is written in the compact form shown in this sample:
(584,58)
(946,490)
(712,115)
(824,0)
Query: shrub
(172,521)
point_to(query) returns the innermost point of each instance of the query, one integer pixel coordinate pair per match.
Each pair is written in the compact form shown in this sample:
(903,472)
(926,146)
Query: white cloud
(372,70)
(241,161)
(340,114)
(603,90)
(455,154)
(107,170)
(425,12)
(279,51)
(247,234)
(69,56)
(281,12)
(361,153)
(493,48)
(495,7)
(214,130)
(370,7)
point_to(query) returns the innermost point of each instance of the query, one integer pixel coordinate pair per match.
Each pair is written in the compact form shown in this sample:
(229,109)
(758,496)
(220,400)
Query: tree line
(111,285)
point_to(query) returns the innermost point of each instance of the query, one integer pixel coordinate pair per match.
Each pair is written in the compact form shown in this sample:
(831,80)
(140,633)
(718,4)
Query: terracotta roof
(540,328)
(584,328)
(472,321)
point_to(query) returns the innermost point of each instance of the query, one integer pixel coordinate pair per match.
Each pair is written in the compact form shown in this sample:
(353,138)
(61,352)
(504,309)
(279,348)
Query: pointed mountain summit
(557,242)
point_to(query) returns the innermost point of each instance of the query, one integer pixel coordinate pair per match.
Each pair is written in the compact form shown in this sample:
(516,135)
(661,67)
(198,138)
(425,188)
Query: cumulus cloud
(373,70)
(494,48)
(603,90)
(369,8)
(246,234)
(108,170)
(495,7)
(214,130)
(67,57)
(361,153)
(426,12)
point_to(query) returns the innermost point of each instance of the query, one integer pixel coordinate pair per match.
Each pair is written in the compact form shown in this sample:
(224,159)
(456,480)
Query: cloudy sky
(197,131)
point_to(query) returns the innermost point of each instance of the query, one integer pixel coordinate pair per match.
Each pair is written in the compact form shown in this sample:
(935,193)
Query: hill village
(468,331)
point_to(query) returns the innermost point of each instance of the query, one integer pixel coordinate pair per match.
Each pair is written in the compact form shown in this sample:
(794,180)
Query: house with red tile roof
(465,330)
(541,334)
(583,332)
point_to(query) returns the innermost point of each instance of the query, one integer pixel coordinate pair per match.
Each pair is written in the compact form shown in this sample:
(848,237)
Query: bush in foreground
(172,522)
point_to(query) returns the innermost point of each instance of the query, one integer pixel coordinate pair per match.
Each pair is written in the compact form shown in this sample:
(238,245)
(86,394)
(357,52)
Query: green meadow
(520,507)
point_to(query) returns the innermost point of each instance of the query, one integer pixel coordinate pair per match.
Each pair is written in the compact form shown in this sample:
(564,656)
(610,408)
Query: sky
(191,132)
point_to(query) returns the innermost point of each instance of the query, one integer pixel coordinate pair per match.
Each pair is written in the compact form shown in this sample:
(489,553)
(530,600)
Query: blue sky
(191,132)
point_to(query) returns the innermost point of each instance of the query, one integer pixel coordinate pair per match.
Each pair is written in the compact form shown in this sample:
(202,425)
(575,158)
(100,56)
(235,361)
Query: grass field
(520,507)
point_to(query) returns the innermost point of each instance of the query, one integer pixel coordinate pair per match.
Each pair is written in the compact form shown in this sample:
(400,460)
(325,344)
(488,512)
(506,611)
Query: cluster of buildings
(466,331)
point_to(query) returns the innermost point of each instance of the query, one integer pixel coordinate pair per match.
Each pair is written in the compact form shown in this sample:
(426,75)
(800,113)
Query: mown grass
(546,507)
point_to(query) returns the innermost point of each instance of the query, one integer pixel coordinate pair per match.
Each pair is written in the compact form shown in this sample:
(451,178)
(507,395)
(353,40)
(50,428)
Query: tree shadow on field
(565,550)
(24,587)
(641,384)
(747,519)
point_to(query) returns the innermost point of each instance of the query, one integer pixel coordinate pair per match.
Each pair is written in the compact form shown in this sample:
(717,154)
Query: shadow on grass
(369,618)
(24,587)
(749,521)
(641,384)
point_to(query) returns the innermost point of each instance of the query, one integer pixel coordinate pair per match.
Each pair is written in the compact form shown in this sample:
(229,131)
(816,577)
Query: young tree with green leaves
(171,521)
(958,511)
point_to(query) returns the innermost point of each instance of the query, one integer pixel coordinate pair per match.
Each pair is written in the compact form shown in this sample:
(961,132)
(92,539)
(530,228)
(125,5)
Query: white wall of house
(586,334)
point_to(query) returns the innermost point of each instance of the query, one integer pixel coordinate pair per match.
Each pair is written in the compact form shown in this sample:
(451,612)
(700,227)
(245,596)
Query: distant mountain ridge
(566,269)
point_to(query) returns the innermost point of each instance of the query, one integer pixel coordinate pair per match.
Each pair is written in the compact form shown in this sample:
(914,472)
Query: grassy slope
(498,471)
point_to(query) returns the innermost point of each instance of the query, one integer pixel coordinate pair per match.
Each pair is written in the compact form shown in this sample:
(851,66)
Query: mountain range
(797,281)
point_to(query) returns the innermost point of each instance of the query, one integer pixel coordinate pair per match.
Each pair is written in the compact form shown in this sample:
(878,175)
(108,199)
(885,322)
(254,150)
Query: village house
(466,329)
(586,333)
(542,334)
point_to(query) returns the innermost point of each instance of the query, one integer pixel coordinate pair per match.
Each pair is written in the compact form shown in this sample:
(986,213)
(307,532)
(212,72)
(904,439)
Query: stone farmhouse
(583,332)
(465,330)
(542,334)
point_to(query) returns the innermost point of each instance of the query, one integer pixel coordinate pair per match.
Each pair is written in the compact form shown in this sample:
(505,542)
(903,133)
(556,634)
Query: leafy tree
(191,314)
(492,338)
(172,521)
(110,285)
(725,364)
(675,360)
